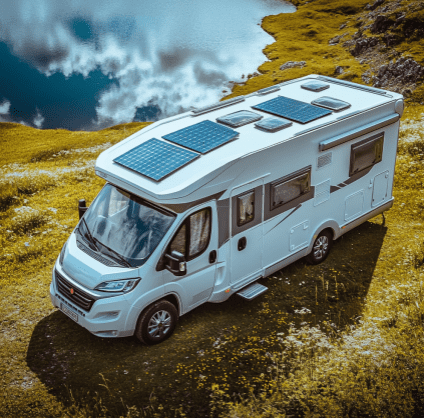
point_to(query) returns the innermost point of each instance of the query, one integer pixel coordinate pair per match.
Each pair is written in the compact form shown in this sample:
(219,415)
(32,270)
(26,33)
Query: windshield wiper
(118,256)
(90,237)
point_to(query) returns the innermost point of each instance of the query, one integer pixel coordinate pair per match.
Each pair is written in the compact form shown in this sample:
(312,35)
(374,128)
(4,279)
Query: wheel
(157,323)
(320,248)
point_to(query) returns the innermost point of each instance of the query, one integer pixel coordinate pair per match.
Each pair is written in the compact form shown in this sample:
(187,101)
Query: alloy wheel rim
(159,324)
(321,247)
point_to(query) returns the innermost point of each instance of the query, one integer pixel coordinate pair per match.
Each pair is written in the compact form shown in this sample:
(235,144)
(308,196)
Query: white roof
(250,140)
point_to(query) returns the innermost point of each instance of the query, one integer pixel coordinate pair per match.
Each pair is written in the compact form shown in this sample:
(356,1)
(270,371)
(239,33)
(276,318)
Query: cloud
(165,54)
(4,107)
(38,120)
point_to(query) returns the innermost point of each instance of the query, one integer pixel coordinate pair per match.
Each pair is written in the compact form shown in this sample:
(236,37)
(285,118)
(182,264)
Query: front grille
(80,298)
(96,256)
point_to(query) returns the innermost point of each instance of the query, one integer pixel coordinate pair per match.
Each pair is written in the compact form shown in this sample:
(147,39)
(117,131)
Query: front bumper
(106,318)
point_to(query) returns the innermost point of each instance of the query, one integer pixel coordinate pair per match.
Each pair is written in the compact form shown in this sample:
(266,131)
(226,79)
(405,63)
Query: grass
(52,367)
(342,338)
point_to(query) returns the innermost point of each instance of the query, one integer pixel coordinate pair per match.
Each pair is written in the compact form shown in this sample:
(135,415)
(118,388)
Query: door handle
(242,242)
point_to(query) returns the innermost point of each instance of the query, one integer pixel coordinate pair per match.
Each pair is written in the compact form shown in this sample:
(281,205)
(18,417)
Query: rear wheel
(321,247)
(157,323)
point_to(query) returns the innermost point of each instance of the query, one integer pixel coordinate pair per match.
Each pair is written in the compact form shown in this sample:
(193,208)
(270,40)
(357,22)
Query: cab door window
(193,237)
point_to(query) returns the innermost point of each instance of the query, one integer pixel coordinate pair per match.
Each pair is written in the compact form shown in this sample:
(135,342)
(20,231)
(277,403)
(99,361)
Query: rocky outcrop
(400,75)
(376,4)
(362,44)
(293,64)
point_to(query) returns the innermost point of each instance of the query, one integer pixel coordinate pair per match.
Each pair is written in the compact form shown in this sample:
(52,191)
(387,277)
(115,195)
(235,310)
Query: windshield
(124,227)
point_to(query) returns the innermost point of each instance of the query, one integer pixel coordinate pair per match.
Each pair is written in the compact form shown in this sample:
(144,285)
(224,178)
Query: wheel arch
(331,226)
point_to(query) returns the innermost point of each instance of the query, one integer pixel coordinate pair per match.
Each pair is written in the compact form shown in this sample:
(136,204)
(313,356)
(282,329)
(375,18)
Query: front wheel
(157,323)
(320,248)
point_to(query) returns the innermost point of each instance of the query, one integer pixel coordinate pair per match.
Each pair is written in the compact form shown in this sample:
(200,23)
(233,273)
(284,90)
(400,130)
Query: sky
(87,65)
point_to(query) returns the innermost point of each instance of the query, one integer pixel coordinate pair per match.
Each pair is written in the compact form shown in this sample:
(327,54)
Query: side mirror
(82,207)
(175,263)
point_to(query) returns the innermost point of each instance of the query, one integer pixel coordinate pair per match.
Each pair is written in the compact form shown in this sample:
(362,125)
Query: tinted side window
(284,192)
(245,208)
(365,154)
(200,230)
(179,241)
(194,234)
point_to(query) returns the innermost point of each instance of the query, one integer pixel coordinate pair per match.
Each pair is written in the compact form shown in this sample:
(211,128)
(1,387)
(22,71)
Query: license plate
(69,312)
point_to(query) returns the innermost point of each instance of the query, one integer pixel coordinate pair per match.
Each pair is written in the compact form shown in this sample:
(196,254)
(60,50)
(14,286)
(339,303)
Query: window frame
(367,141)
(287,179)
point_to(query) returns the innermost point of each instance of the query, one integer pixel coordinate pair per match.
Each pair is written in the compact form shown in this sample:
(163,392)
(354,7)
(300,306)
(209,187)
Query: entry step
(250,292)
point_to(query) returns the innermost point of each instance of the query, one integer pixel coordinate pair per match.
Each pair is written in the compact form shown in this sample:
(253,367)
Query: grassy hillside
(342,338)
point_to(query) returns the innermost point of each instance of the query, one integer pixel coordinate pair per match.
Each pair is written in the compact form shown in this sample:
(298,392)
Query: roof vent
(331,103)
(273,124)
(240,118)
(315,86)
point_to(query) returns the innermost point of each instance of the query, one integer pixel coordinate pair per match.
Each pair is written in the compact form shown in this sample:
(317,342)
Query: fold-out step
(251,291)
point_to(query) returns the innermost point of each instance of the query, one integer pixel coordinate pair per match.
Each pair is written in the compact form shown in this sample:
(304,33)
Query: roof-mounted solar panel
(156,159)
(331,103)
(240,118)
(273,124)
(292,109)
(315,85)
(218,105)
(203,136)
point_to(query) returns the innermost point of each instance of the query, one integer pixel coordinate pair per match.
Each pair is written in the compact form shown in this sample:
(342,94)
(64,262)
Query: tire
(157,322)
(320,248)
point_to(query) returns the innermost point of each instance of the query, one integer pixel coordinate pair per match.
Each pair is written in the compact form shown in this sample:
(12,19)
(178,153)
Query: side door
(197,240)
(246,230)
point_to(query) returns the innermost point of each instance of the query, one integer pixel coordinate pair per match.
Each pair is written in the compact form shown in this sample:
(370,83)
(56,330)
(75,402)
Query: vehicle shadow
(79,368)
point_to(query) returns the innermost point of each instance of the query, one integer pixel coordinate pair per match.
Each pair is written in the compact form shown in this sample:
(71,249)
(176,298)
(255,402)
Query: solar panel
(331,103)
(292,109)
(240,118)
(315,86)
(203,136)
(273,124)
(156,159)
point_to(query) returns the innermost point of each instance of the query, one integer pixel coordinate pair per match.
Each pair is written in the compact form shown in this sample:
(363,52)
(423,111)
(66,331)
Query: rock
(343,26)
(362,45)
(381,24)
(402,74)
(375,5)
(293,64)
(382,70)
(339,70)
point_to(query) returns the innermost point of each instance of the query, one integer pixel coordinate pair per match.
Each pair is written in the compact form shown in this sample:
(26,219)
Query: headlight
(62,253)
(125,285)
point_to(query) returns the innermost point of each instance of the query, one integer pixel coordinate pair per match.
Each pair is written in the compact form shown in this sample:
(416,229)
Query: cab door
(197,240)
(246,231)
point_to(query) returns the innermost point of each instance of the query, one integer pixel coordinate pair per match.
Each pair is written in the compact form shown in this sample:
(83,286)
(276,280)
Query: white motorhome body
(245,198)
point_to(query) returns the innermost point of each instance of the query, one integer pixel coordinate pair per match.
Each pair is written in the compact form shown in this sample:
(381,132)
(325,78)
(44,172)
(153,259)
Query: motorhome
(201,206)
